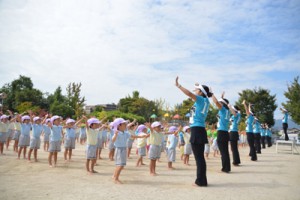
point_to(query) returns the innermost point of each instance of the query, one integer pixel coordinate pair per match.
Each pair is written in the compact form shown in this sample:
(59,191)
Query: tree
(74,100)
(293,102)
(263,104)
(21,90)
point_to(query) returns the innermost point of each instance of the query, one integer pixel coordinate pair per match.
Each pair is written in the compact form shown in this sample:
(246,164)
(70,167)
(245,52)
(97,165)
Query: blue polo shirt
(224,116)
(235,122)
(199,112)
(249,122)
(122,138)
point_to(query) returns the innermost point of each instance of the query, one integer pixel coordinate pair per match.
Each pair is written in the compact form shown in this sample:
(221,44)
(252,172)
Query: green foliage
(138,105)
(111,115)
(26,106)
(264,104)
(61,109)
(74,100)
(293,102)
(212,115)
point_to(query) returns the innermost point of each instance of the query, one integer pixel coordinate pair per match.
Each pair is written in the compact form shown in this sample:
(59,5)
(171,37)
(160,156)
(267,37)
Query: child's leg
(29,154)
(187,159)
(65,154)
(170,165)
(128,152)
(117,174)
(7,143)
(35,155)
(1,148)
(87,165)
(70,154)
(99,153)
(24,152)
(138,161)
(55,158)
(142,161)
(50,158)
(19,152)
(16,145)
(93,162)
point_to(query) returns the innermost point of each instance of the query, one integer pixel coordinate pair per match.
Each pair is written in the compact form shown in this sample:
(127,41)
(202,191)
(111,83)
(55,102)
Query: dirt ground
(273,176)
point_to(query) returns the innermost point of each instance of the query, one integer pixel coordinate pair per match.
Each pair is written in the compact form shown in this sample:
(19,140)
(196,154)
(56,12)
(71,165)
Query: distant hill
(278,124)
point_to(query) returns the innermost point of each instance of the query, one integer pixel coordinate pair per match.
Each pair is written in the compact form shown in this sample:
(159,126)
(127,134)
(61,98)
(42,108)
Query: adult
(249,130)
(197,124)
(257,136)
(234,135)
(223,135)
(285,122)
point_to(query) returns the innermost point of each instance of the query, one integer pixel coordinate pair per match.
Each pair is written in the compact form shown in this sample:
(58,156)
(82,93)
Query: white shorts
(120,156)
(206,148)
(16,135)
(187,149)
(24,141)
(91,151)
(99,143)
(3,137)
(69,143)
(54,146)
(154,152)
(171,155)
(35,143)
(142,151)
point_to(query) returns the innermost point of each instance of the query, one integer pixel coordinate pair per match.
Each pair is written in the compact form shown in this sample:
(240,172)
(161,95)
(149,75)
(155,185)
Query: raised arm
(232,110)
(184,90)
(246,108)
(215,100)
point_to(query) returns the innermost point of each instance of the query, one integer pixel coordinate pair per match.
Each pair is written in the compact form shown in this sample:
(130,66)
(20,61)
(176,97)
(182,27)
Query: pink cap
(155,124)
(118,121)
(140,128)
(55,117)
(25,117)
(172,129)
(36,118)
(186,128)
(93,121)
(47,121)
(70,121)
(3,117)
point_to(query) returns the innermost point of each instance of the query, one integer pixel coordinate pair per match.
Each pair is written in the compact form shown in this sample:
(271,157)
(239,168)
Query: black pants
(250,139)
(198,140)
(269,141)
(257,144)
(222,140)
(285,127)
(263,142)
(234,137)
(198,151)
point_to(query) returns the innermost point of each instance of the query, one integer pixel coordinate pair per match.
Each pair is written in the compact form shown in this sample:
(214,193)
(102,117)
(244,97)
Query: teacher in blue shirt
(285,122)
(197,123)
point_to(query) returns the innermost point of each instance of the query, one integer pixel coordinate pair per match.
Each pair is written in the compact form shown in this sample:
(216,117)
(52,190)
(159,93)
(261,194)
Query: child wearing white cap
(111,146)
(92,131)
(70,137)
(35,140)
(141,144)
(55,139)
(187,146)
(46,133)
(17,131)
(131,129)
(120,141)
(24,139)
(4,123)
(172,143)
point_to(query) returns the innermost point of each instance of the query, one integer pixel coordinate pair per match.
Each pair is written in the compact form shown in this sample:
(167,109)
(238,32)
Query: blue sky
(115,47)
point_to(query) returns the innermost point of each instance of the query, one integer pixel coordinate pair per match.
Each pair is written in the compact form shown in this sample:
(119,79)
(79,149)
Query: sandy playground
(273,176)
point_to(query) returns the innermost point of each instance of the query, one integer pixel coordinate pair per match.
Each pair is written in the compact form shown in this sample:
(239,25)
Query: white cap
(36,118)
(70,121)
(55,117)
(186,128)
(117,122)
(155,124)
(25,117)
(93,121)
(3,117)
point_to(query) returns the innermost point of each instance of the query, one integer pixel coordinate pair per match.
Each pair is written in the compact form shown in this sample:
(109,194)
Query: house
(106,107)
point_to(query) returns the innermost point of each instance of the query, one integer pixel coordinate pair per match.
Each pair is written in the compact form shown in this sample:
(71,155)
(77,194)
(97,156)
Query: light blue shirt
(37,130)
(235,120)
(224,116)
(285,118)
(199,112)
(249,122)
(269,132)
(256,127)
(262,132)
(55,133)
(173,141)
(122,138)
(25,129)
(47,130)
(70,133)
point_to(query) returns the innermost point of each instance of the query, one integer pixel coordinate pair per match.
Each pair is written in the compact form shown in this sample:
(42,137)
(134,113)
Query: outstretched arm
(215,100)
(246,108)
(184,90)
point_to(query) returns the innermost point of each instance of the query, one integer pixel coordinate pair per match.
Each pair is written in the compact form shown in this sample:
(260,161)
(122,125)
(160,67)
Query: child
(141,144)
(10,133)
(55,139)
(187,146)
(181,144)
(131,129)
(172,143)
(4,124)
(92,132)
(156,137)
(46,133)
(120,138)
(69,138)
(17,132)
(24,139)
(82,134)
(111,147)
(35,140)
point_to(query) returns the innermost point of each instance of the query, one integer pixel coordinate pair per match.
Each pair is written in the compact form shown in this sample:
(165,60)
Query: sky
(114,47)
